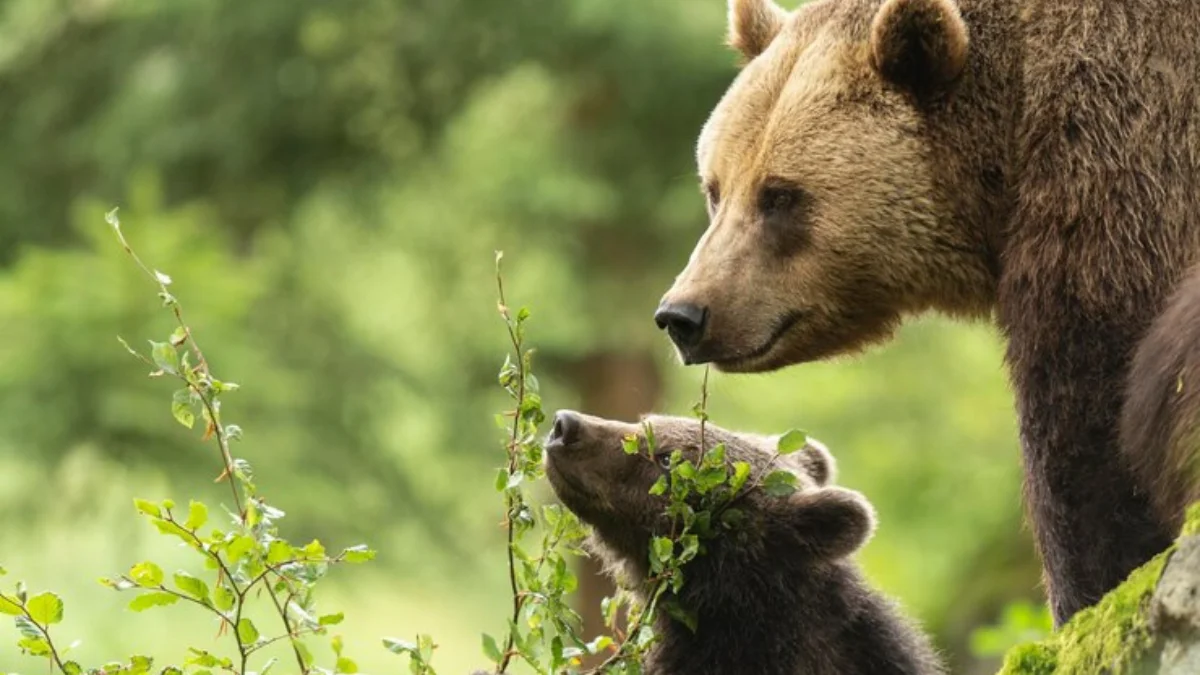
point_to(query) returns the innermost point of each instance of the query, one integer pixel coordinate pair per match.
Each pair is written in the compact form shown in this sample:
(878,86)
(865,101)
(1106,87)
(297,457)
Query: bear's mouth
(745,360)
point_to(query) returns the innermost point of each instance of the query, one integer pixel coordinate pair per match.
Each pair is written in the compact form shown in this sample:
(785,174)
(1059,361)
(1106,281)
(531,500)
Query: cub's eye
(664,460)
(775,200)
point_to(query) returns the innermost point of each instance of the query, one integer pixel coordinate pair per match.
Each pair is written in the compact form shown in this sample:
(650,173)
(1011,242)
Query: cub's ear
(753,24)
(920,45)
(831,522)
(814,461)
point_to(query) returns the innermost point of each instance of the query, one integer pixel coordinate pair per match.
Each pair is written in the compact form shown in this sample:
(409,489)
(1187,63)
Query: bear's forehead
(793,86)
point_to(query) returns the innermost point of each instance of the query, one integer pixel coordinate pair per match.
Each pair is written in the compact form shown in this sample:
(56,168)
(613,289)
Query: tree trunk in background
(615,385)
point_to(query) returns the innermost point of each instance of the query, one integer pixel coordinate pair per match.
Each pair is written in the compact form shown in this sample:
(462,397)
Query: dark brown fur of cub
(778,596)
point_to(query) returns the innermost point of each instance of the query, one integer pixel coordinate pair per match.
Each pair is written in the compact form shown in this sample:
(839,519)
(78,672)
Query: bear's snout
(684,322)
(565,430)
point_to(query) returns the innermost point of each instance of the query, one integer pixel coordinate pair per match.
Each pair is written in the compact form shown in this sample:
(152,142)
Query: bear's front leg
(1092,523)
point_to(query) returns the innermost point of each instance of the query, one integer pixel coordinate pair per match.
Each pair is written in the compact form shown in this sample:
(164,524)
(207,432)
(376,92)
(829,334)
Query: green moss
(1107,638)
(1191,524)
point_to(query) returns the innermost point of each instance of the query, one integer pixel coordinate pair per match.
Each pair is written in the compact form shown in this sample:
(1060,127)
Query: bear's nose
(684,322)
(566,428)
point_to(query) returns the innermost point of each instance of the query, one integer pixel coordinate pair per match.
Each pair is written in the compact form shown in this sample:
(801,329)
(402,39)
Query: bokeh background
(326,182)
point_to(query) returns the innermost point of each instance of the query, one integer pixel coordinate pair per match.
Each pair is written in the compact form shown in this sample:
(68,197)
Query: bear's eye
(664,460)
(774,200)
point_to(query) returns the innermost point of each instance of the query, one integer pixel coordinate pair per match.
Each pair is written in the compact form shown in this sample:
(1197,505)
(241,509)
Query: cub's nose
(684,322)
(566,428)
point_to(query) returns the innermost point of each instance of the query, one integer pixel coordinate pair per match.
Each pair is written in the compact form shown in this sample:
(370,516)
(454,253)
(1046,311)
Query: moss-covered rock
(1138,628)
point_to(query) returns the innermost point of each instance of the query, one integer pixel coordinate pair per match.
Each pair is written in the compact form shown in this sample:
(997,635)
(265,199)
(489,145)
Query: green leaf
(181,408)
(791,441)
(237,549)
(278,552)
(716,456)
(660,486)
(157,599)
(685,470)
(651,441)
(741,472)
(662,548)
(491,649)
(630,444)
(45,608)
(192,586)
(148,507)
(779,483)
(118,584)
(331,619)
(313,550)
(34,646)
(223,597)
(358,554)
(72,668)
(165,357)
(246,631)
(26,627)
(140,664)
(197,516)
(345,665)
(178,336)
(10,606)
(599,645)
(146,574)
(501,480)
(398,646)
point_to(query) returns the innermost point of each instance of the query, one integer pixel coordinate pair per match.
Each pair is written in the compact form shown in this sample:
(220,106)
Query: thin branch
(202,365)
(56,660)
(287,626)
(511,503)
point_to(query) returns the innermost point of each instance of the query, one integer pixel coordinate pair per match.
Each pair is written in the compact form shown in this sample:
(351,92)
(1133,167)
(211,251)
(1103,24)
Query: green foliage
(247,561)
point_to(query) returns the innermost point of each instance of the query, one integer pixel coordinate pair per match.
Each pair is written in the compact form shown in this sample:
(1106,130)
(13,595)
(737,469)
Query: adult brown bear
(1035,160)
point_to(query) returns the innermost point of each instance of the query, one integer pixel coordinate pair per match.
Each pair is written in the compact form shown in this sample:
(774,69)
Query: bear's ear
(815,461)
(920,45)
(831,522)
(753,24)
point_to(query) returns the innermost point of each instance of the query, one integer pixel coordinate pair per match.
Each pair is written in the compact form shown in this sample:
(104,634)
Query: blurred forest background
(326,182)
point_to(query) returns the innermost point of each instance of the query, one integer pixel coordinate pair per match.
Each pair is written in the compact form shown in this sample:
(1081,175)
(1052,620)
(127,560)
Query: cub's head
(609,489)
(827,169)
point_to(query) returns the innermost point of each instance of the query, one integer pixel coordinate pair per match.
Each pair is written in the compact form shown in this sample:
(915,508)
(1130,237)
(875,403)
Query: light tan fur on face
(880,239)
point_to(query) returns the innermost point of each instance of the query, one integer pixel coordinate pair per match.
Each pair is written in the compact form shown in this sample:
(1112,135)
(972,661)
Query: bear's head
(609,489)
(839,185)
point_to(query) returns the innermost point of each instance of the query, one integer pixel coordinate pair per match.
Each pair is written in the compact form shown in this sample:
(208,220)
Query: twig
(202,364)
(45,631)
(511,504)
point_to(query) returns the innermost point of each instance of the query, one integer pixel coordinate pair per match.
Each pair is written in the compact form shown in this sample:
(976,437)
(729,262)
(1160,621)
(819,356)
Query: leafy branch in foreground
(247,559)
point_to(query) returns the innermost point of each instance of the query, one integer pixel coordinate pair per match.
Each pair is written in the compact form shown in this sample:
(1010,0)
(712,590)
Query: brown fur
(753,25)
(1160,426)
(776,596)
(1051,180)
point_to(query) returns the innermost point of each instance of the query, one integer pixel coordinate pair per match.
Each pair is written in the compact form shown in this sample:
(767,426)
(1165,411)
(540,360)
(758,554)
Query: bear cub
(777,596)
